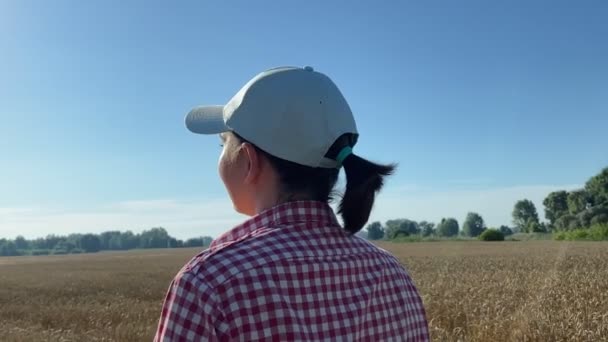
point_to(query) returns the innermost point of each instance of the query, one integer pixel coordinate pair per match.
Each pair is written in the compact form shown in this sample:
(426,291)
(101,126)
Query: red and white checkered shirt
(292,273)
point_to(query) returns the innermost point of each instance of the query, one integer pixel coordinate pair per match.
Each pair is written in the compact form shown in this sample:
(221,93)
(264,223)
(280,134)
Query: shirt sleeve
(188,312)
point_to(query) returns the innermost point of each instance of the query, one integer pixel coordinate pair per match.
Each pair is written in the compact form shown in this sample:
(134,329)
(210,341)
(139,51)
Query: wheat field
(473,291)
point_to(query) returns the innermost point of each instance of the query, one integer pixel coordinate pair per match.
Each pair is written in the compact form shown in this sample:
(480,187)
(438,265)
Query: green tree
(154,238)
(473,225)
(578,201)
(110,240)
(400,227)
(391,228)
(90,243)
(597,187)
(586,216)
(375,231)
(129,240)
(556,205)
(198,242)
(193,242)
(38,243)
(64,246)
(525,217)
(506,231)
(409,226)
(207,240)
(426,228)
(76,239)
(536,227)
(116,242)
(174,243)
(52,240)
(21,243)
(567,222)
(448,227)
(8,248)
(599,219)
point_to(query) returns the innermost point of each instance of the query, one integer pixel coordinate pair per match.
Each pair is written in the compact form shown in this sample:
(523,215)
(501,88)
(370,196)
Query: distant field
(509,291)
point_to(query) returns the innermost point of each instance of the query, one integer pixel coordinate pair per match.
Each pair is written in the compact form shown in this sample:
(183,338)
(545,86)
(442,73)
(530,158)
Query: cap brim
(206,120)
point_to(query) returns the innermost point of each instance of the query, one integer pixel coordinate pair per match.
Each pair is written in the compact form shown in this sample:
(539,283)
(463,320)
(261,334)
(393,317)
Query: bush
(529,237)
(599,232)
(580,234)
(560,236)
(408,238)
(491,235)
(565,222)
(399,234)
(41,252)
(595,233)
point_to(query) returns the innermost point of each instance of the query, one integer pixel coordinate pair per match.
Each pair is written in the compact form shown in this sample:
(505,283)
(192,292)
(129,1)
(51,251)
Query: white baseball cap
(292,113)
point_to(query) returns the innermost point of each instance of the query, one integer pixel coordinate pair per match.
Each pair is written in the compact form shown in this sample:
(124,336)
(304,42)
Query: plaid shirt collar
(285,214)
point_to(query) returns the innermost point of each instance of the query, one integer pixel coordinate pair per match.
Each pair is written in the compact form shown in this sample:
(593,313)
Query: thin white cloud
(190,218)
(13,211)
(182,218)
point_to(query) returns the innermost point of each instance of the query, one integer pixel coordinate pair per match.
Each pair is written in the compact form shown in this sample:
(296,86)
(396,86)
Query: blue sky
(481,103)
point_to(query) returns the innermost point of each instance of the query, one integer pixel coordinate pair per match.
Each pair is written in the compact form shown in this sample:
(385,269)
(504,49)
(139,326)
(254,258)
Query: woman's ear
(254,163)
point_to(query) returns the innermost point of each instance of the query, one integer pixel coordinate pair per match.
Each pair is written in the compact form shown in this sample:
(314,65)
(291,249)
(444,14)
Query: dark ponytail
(363,180)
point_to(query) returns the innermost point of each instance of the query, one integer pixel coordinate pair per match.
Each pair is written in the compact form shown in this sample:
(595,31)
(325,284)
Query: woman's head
(285,135)
(256,180)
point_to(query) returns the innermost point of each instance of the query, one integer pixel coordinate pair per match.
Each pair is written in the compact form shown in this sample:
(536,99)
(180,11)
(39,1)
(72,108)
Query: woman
(291,272)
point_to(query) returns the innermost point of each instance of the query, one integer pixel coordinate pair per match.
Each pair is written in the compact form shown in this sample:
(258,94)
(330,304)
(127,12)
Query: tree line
(564,210)
(473,226)
(577,209)
(91,243)
(580,208)
(567,210)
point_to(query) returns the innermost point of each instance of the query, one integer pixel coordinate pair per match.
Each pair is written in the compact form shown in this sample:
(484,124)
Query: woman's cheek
(229,177)
(224,170)
(220,165)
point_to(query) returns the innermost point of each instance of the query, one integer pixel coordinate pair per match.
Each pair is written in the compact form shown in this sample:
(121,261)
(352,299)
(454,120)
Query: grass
(435,238)
(473,291)
(597,232)
(89,297)
(431,238)
(529,237)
